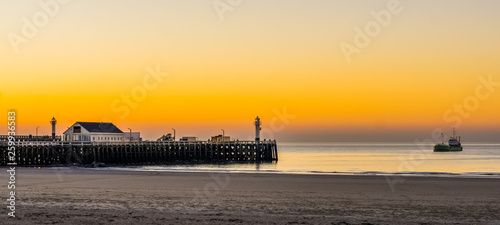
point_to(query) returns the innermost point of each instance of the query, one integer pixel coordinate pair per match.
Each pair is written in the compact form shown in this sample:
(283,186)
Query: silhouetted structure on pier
(65,153)
(100,142)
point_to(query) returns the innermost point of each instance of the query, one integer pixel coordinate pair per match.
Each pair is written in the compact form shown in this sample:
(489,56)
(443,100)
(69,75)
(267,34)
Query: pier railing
(154,152)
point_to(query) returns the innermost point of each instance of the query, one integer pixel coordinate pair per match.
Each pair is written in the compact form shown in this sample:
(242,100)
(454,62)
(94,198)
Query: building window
(77,129)
(93,138)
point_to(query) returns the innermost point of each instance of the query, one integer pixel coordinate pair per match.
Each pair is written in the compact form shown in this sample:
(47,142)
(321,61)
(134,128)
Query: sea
(409,159)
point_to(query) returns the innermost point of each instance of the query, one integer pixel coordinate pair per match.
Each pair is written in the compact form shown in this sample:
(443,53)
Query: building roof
(100,127)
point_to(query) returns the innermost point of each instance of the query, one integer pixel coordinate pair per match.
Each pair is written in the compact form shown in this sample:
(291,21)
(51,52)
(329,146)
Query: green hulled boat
(453,145)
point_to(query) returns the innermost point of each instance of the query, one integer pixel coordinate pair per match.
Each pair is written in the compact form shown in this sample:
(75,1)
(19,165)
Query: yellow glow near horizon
(264,56)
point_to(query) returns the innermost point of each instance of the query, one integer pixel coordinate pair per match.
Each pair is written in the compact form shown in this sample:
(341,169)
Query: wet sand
(83,196)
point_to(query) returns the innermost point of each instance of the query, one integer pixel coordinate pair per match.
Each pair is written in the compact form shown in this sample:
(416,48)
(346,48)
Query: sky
(315,70)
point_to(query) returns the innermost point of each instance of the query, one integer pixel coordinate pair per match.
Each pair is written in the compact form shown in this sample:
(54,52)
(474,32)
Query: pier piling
(64,153)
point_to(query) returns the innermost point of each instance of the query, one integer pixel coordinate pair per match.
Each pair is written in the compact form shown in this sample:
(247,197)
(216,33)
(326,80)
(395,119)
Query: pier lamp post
(257,128)
(130,134)
(37,131)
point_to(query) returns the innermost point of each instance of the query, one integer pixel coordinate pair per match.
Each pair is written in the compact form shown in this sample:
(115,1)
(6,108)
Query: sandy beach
(84,196)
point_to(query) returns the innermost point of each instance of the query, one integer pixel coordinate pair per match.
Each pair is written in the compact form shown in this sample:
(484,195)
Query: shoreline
(149,197)
(171,169)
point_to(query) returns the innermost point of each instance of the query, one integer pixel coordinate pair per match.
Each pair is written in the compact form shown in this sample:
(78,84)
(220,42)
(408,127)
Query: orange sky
(263,56)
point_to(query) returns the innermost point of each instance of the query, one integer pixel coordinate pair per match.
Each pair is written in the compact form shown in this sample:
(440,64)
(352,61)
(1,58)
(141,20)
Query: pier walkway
(64,153)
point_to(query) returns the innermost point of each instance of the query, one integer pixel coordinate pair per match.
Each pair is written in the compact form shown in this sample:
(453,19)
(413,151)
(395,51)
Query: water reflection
(365,157)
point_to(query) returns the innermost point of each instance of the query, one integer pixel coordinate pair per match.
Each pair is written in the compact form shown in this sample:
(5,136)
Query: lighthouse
(53,122)
(257,129)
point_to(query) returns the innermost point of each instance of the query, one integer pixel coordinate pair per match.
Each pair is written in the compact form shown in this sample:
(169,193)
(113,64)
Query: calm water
(477,159)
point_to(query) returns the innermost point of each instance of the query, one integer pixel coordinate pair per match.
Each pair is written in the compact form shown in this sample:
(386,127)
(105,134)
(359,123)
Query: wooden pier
(64,153)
